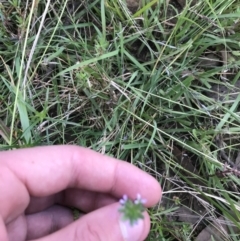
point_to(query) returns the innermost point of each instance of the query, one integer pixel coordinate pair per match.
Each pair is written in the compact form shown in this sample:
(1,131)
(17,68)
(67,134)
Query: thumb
(104,224)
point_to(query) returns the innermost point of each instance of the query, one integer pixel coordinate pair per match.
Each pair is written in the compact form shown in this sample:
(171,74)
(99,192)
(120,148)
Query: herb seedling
(132,210)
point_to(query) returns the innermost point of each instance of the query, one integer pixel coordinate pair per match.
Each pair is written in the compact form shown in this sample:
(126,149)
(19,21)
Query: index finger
(48,170)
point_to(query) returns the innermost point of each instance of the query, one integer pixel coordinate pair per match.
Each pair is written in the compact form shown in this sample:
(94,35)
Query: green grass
(133,86)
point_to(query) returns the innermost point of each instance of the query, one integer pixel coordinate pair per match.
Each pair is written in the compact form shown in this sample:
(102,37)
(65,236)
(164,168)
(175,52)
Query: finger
(40,224)
(103,224)
(84,200)
(48,170)
(14,198)
(48,221)
(17,229)
(3,231)
(43,171)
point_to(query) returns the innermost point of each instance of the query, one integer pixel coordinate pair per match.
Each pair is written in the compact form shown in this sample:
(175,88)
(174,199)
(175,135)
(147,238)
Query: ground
(155,83)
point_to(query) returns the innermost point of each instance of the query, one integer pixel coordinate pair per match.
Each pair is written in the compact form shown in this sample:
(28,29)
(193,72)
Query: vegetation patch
(155,83)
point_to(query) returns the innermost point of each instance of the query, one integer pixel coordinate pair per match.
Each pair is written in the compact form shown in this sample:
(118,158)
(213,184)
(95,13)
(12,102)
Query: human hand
(38,185)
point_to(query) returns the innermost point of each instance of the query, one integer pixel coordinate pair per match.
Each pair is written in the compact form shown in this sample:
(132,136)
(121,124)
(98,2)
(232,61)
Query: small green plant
(132,210)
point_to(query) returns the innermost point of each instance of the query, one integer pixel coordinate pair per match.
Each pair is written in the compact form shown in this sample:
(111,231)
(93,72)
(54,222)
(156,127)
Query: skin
(38,185)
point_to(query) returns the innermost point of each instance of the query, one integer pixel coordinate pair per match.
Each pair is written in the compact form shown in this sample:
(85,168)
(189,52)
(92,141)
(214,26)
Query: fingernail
(131,232)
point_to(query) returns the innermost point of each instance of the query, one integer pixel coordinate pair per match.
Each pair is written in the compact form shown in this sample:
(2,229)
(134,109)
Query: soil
(225,92)
(133,5)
